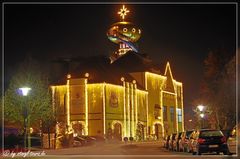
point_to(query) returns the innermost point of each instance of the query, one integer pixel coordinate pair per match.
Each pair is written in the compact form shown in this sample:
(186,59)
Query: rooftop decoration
(123,12)
(124,33)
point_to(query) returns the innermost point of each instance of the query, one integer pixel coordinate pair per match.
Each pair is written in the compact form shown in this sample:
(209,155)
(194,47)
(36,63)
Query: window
(172,113)
(164,113)
(157,111)
(179,115)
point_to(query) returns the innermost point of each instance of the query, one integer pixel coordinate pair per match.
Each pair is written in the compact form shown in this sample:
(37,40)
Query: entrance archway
(158,131)
(117,131)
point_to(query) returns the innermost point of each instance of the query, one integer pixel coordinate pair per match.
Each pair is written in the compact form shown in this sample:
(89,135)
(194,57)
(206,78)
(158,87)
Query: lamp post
(201,111)
(24,91)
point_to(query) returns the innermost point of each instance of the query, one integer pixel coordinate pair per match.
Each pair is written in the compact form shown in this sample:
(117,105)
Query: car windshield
(210,133)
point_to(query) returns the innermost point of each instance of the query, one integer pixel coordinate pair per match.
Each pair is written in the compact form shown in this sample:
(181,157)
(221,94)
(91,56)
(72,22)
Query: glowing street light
(200,107)
(24,91)
(202,115)
(201,112)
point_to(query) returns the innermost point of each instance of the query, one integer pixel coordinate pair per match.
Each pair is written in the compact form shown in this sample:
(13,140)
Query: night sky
(182,34)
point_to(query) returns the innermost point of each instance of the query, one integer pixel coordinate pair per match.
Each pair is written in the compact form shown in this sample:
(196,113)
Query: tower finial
(123,12)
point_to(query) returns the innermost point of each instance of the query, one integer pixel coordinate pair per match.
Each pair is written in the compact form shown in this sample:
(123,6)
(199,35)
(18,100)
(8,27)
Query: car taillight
(223,139)
(200,140)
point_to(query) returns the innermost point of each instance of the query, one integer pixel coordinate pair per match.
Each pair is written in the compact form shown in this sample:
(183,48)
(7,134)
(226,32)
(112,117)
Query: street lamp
(200,107)
(201,113)
(24,91)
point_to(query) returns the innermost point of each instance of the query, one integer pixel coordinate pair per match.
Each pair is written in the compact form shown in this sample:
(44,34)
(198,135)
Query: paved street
(122,150)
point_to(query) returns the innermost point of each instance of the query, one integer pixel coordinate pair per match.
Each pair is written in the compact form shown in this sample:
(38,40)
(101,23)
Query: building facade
(119,98)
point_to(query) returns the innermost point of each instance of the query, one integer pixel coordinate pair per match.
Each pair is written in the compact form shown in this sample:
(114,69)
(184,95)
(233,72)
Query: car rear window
(210,133)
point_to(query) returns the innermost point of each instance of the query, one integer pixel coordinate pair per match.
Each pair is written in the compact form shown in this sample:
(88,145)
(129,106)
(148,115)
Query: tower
(125,34)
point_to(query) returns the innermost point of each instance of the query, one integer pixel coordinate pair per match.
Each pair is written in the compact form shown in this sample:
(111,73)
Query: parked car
(166,141)
(208,141)
(89,139)
(172,138)
(176,141)
(184,140)
(232,140)
(78,141)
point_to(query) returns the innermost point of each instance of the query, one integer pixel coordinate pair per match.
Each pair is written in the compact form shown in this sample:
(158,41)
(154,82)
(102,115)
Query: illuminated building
(116,98)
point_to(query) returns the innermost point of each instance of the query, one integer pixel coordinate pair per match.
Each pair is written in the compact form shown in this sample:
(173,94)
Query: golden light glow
(182,109)
(168,68)
(176,113)
(147,111)
(161,105)
(86,107)
(123,12)
(116,122)
(31,130)
(68,104)
(136,106)
(86,74)
(145,80)
(69,76)
(169,93)
(124,108)
(104,109)
(53,98)
(132,103)
(154,77)
(113,85)
(128,104)
(131,100)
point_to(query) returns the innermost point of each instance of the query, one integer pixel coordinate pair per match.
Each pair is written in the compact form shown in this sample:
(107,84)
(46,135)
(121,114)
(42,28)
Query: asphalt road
(144,150)
(128,151)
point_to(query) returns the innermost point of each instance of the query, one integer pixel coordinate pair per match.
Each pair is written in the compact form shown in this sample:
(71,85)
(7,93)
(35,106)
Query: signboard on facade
(113,99)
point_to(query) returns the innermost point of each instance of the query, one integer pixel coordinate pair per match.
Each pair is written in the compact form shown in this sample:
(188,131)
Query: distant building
(124,96)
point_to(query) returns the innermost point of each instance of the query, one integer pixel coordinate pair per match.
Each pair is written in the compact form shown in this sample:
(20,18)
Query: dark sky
(182,34)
